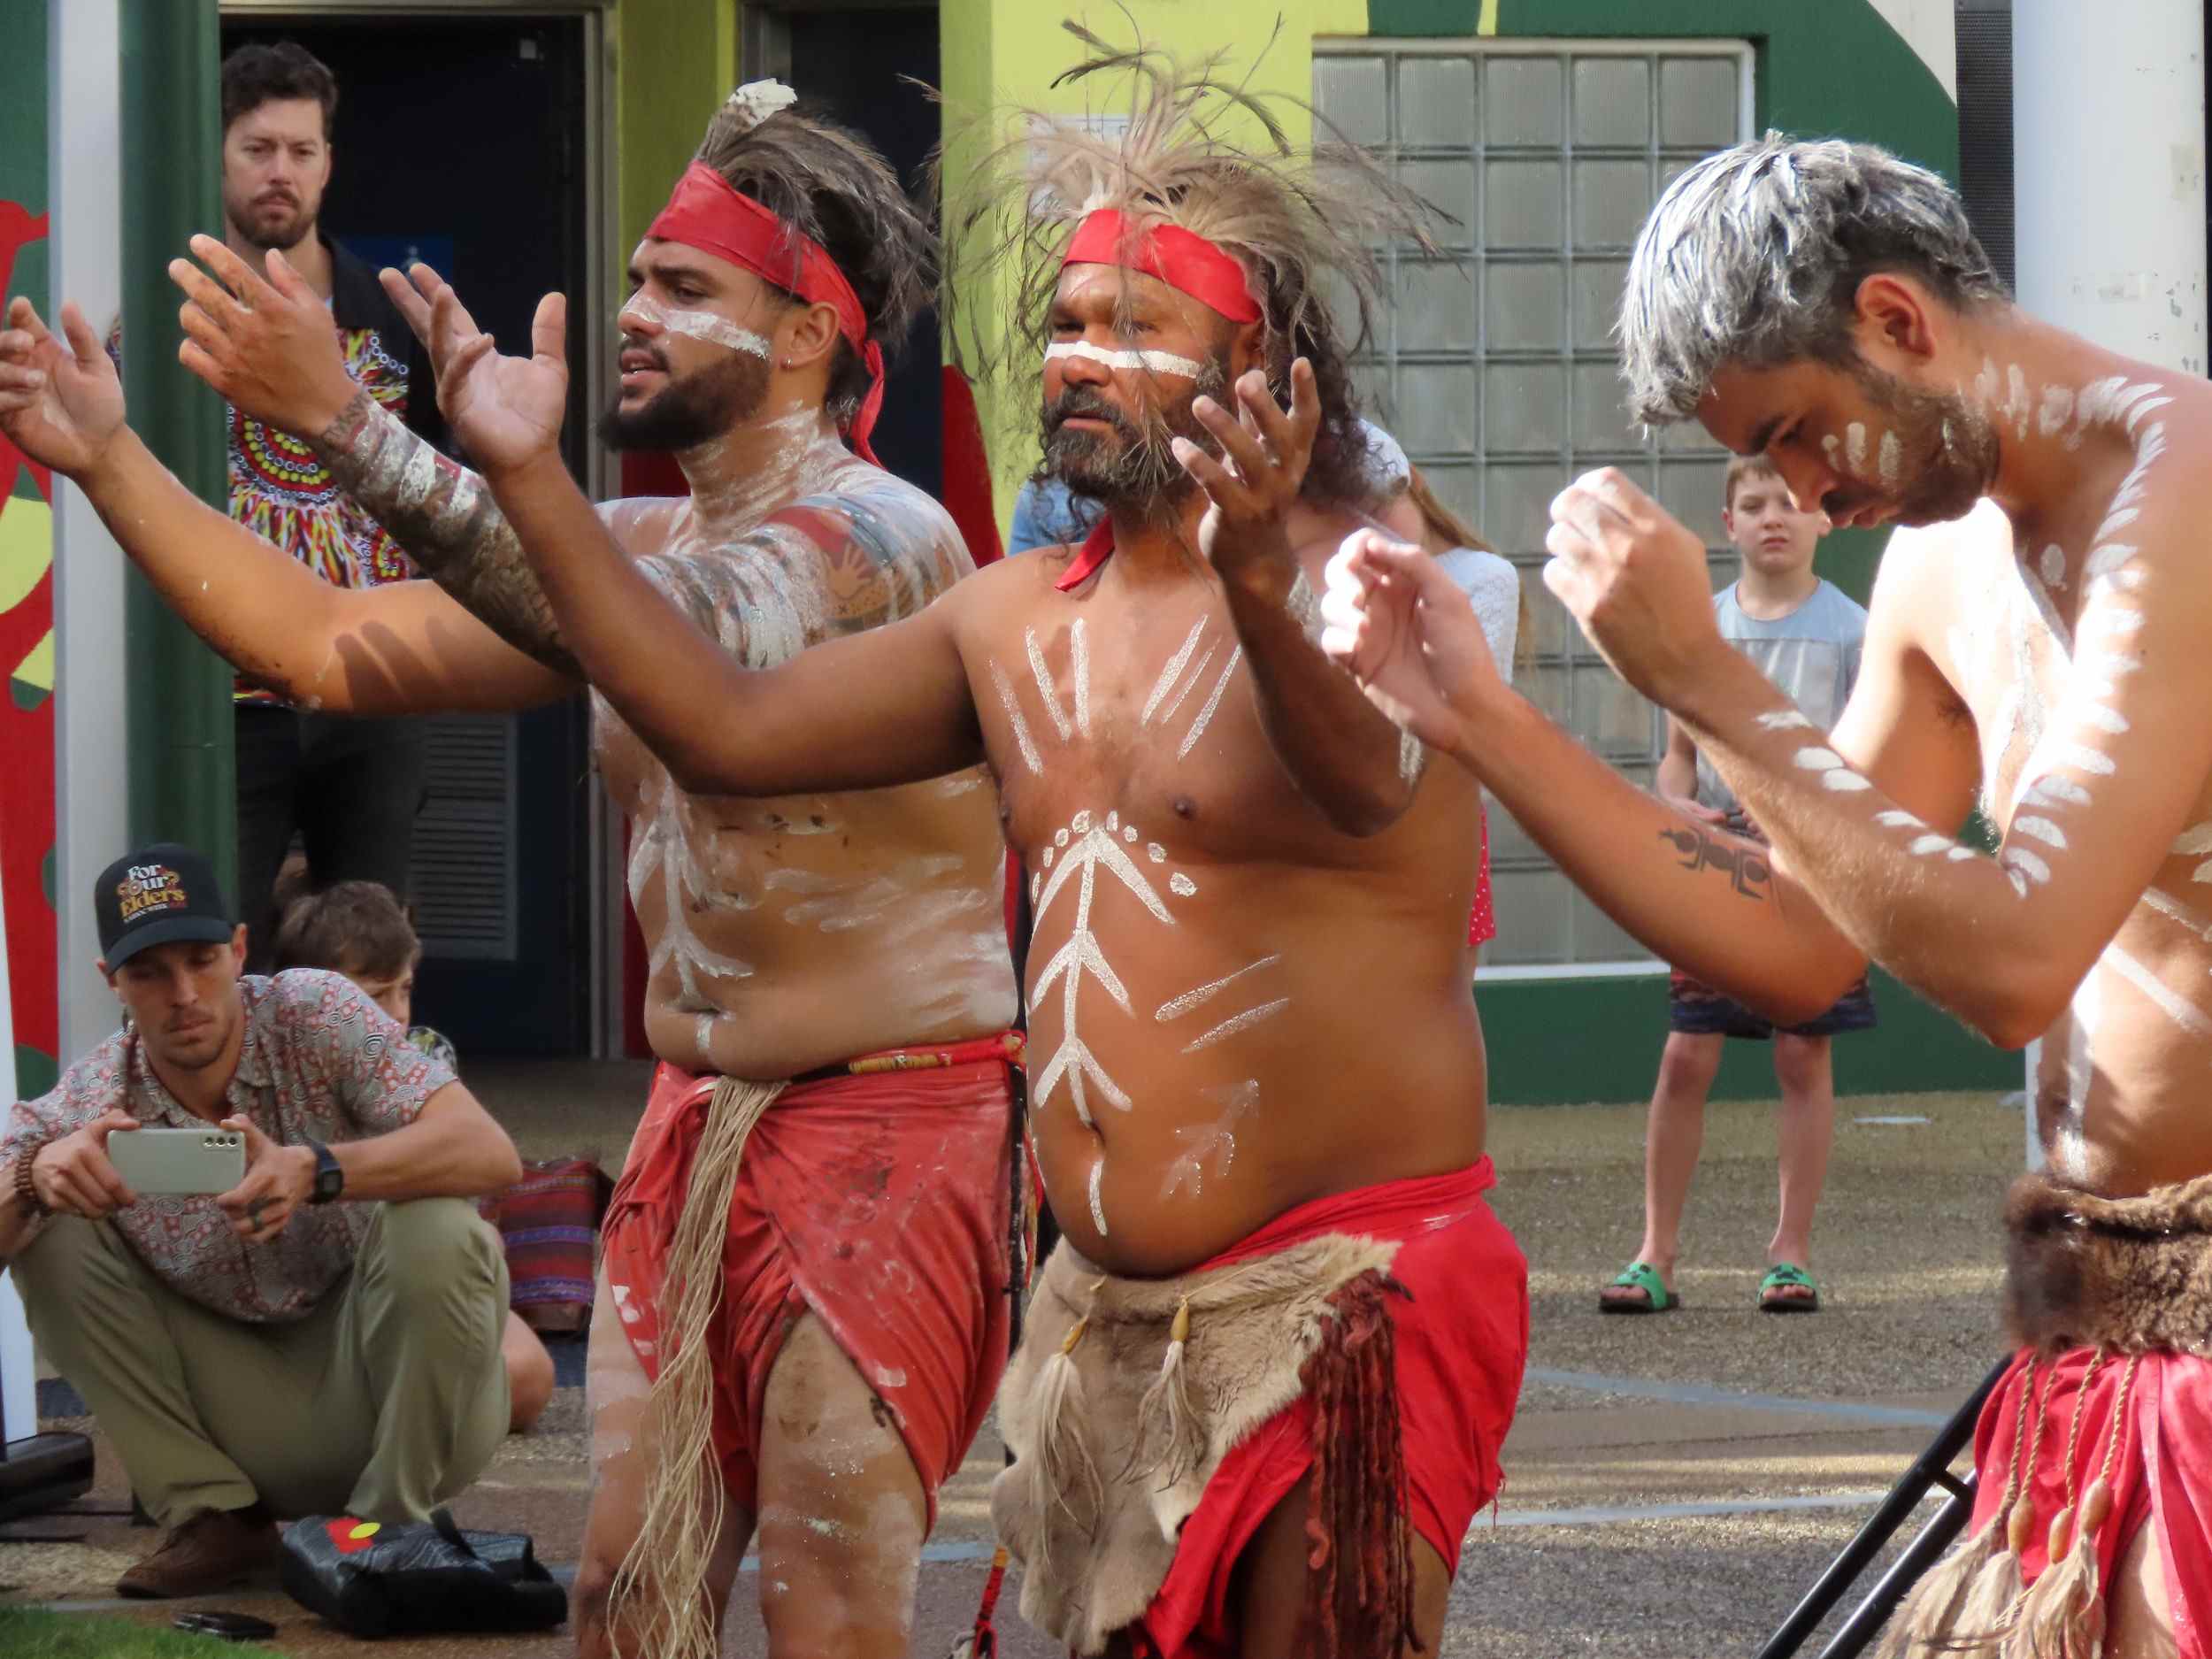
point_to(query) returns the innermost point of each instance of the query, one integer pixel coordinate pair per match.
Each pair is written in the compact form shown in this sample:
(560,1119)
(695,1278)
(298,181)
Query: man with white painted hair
(2034,644)
(1282,1312)
(813,1273)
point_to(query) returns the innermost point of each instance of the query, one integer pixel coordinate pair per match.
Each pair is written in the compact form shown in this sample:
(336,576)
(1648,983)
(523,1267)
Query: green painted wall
(1561,1042)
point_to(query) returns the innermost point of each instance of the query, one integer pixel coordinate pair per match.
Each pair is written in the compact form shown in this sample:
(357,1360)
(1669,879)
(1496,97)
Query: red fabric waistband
(1394,1209)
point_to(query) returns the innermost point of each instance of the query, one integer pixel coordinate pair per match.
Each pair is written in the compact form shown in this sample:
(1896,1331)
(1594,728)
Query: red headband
(1176,257)
(708,212)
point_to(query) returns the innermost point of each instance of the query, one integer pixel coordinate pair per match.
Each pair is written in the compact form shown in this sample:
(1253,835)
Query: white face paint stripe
(716,331)
(1098,1209)
(1897,818)
(1924,846)
(1783,720)
(2026,863)
(2043,830)
(1155,362)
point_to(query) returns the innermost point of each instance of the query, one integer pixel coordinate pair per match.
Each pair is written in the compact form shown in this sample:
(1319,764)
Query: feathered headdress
(1198,153)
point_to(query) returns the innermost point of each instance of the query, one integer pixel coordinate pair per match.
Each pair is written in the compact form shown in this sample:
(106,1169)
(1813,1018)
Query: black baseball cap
(155,896)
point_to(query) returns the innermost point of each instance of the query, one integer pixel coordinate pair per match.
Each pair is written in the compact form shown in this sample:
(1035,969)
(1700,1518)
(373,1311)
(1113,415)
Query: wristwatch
(330,1180)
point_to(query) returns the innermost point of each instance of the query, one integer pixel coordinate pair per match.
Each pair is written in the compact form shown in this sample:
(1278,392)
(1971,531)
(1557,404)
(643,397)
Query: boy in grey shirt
(1805,635)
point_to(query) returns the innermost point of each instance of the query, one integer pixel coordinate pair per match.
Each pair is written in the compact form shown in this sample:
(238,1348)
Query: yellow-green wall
(674,62)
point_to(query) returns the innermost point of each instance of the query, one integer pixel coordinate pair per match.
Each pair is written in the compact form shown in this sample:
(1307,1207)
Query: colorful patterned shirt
(283,494)
(319,1062)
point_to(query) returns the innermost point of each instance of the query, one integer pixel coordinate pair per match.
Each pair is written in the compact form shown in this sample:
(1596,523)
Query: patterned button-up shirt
(319,1062)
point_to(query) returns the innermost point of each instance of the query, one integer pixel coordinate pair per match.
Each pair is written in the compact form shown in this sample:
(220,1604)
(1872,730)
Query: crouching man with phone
(241,1226)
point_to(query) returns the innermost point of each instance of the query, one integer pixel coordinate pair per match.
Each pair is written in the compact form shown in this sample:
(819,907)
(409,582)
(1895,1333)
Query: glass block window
(1494,365)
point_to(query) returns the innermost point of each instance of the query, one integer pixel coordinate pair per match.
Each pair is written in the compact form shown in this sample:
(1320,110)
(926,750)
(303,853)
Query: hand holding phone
(74,1174)
(275,1181)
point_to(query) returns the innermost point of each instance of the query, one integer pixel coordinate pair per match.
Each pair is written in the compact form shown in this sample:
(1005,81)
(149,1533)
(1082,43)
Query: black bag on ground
(418,1579)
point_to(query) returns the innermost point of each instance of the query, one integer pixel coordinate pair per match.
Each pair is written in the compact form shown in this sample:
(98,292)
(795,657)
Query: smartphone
(229,1626)
(178,1160)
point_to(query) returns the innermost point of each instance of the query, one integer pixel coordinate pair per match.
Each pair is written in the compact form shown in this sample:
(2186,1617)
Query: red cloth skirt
(1462,1339)
(881,1204)
(2161,1470)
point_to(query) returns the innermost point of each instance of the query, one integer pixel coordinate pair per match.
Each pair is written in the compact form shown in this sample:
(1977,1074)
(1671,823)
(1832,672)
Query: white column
(19,1384)
(91,778)
(2108,147)
(2107,123)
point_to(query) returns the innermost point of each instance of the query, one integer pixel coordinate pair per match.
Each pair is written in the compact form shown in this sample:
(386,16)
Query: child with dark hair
(359,929)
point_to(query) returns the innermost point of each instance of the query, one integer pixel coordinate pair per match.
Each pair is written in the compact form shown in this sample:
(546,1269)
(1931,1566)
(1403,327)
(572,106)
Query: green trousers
(385,1402)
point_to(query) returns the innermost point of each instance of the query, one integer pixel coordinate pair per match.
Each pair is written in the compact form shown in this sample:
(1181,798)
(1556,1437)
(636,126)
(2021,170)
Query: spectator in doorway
(1805,634)
(348,789)
(322,1338)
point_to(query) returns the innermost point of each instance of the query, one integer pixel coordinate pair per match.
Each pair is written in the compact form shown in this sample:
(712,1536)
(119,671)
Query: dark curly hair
(829,184)
(256,75)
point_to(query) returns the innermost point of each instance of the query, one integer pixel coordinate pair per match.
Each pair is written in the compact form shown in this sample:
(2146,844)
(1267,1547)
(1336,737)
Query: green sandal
(1644,1276)
(1787,1274)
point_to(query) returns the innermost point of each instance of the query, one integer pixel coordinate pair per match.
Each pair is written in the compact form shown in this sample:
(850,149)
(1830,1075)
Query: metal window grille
(1495,367)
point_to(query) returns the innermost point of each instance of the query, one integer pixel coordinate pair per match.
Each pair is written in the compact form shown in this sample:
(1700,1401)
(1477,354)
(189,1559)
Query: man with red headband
(808,1273)
(1266,1376)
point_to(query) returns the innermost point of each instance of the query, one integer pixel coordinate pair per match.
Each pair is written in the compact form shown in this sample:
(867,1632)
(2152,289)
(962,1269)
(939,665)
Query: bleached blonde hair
(1305,223)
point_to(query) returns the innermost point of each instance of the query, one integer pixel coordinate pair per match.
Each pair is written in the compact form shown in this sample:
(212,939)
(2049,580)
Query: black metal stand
(1931,1469)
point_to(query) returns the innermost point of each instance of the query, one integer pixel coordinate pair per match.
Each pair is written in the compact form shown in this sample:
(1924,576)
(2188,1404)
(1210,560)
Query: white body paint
(1152,362)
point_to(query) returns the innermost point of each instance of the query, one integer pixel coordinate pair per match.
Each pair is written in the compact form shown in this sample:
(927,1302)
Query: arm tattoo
(445,518)
(1748,872)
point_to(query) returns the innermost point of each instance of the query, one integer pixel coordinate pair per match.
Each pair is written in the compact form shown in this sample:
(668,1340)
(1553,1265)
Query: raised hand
(1636,581)
(1252,491)
(60,401)
(1392,617)
(268,347)
(507,411)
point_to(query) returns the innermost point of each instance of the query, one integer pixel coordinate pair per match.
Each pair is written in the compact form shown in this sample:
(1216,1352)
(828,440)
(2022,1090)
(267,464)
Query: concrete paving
(1673,1482)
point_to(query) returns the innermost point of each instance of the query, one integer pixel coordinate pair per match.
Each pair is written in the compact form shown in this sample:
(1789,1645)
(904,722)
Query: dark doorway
(462,141)
(860,65)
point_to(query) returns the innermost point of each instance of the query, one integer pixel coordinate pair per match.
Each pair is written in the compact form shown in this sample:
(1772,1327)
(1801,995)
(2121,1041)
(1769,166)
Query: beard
(691,411)
(277,223)
(1949,452)
(1132,464)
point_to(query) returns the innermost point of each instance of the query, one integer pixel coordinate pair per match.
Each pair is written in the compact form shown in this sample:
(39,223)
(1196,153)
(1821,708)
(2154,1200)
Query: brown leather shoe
(214,1549)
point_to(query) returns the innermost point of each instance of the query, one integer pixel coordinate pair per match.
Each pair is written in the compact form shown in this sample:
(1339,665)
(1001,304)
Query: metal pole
(1930,1469)
(182,780)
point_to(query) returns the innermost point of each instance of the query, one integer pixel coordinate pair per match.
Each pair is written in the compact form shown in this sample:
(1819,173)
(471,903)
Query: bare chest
(1148,721)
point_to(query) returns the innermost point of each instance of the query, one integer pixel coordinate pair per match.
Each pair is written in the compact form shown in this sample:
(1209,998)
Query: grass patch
(29,1633)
